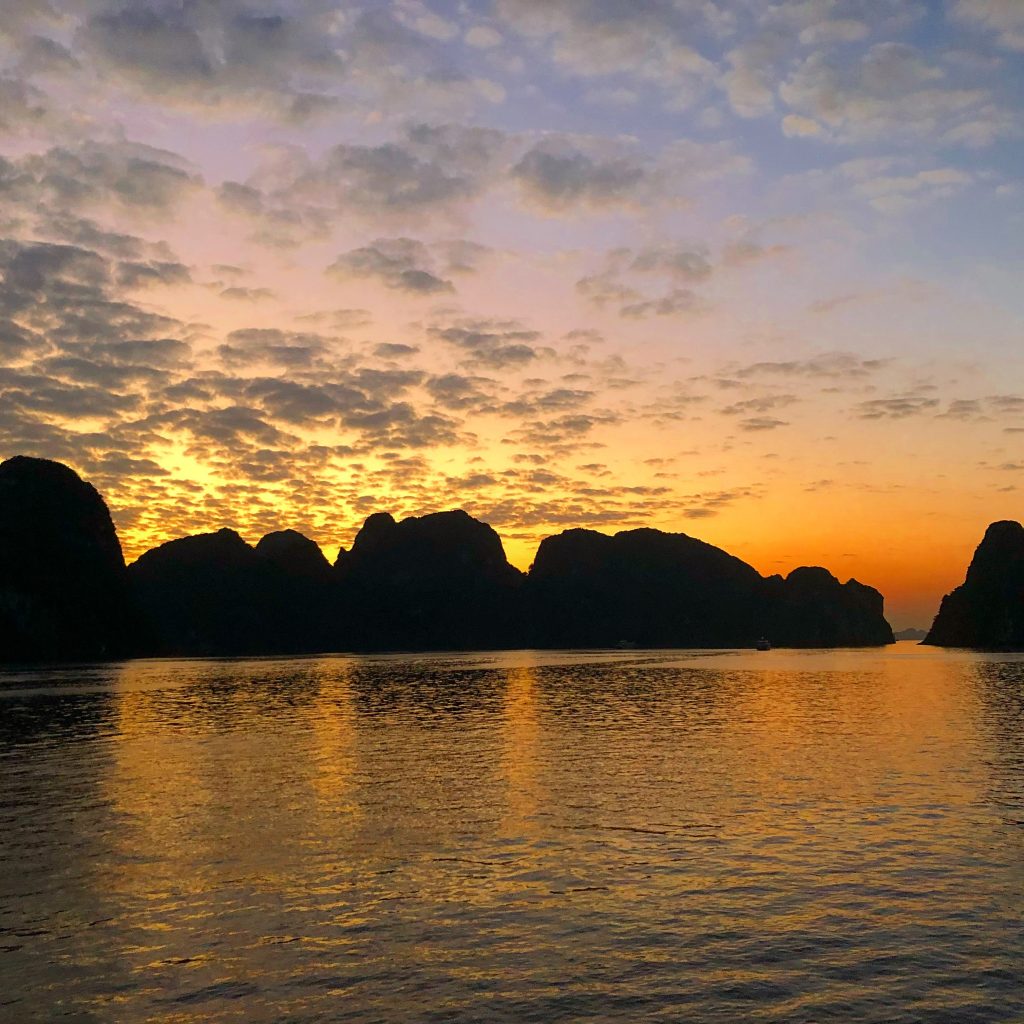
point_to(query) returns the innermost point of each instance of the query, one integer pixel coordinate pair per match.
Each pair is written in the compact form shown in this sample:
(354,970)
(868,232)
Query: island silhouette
(433,582)
(987,609)
(911,633)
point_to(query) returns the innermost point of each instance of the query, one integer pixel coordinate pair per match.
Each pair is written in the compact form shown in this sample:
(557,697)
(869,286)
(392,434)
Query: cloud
(408,265)
(78,353)
(557,174)
(22,18)
(397,56)
(891,92)
(394,350)
(651,40)
(494,344)
(428,172)
(687,165)
(16,341)
(898,407)
(838,30)
(50,398)
(355,399)
(163,353)
(30,268)
(759,423)
(135,274)
(399,263)
(240,198)
(561,174)
(23,107)
(746,253)
(99,381)
(287,61)
(796,126)
(429,167)
(678,262)
(462,392)
(88,234)
(162,50)
(131,176)
(892,185)
(751,80)
(827,365)
(672,303)
(483,37)
(651,281)
(289,350)
(424,172)
(965,409)
(460,255)
(1007,404)
(41,55)
(339,319)
(1003,17)
(240,293)
(562,435)
(762,404)
(981,410)
(606,288)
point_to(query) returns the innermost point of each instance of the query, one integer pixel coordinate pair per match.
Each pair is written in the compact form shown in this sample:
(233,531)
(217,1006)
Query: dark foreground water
(516,837)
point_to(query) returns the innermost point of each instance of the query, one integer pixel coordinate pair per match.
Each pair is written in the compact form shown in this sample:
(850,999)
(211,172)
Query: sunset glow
(745,271)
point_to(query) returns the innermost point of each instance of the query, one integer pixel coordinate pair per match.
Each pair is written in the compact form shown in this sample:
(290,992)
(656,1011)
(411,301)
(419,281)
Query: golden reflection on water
(334,737)
(524,836)
(521,739)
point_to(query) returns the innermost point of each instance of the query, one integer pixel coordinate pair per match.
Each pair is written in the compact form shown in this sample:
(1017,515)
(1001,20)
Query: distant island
(987,609)
(434,582)
(911,633)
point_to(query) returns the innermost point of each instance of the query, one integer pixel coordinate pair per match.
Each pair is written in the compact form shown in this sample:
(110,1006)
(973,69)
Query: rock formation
(439,581)
(644,587)
(295,555)
(63,592)
(656,589)
(215,594)
(302,594)
(987,609)
(811,608)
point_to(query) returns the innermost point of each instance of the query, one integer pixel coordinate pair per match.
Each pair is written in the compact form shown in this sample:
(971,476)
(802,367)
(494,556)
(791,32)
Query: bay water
(516,836)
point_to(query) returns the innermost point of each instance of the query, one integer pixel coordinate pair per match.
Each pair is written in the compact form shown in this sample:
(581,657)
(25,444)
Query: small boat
(763,645)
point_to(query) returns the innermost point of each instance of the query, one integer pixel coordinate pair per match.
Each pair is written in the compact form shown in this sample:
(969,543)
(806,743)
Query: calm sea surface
(630,836)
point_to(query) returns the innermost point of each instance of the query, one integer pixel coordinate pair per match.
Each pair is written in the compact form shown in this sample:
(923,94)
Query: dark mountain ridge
(657,589)
(438,581)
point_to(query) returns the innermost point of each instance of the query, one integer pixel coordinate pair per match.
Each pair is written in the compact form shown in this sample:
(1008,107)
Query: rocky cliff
(63,592)
(987,609)
(811,608)
(436,581)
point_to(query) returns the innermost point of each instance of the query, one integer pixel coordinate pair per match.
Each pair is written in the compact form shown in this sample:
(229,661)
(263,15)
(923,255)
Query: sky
(745,270)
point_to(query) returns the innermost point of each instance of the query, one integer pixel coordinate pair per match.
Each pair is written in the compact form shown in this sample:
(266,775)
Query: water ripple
(664,836)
